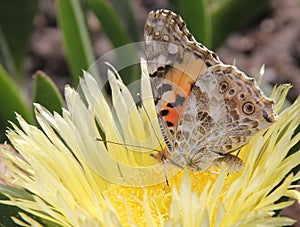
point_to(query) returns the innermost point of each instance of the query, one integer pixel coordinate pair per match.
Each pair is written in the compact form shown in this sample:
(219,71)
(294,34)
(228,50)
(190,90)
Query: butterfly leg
(165,173)
(162,157)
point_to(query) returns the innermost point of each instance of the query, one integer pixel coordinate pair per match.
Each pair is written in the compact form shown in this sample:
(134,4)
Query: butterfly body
(206,109)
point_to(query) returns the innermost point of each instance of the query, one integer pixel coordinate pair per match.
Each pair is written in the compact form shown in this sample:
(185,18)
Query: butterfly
(206,109)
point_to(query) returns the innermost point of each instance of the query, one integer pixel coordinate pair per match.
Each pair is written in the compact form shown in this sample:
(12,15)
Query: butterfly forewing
(175,60)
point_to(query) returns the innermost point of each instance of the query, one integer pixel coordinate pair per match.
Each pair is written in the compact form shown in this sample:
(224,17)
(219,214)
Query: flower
(91,167)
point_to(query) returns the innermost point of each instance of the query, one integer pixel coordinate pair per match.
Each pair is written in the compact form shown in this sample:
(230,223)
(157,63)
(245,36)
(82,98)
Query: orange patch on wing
(181,86)
(172,116)
(181,82)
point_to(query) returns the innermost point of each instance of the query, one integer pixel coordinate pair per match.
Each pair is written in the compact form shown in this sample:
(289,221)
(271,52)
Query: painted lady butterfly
(206,109)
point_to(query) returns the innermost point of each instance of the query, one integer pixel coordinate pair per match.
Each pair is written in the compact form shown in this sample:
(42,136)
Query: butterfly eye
(248,108)
(223,86)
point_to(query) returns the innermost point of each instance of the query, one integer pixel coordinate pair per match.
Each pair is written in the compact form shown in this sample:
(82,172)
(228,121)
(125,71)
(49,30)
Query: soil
(274,40)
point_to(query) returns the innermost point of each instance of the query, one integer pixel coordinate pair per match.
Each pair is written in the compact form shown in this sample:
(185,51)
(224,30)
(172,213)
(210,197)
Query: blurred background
(45,44)
(254,33)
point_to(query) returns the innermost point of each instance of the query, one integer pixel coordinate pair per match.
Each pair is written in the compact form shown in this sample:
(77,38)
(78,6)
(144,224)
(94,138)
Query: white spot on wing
(166,38)
(172,48)
(169,96)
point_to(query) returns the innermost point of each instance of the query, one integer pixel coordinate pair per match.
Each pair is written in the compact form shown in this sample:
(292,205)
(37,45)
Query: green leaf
(197,18)
(118,35)
(231,15)
(46,93)
(111,22)
(124,9)
(76,39)
(16,22)
(11,102)
(15,192)
(6,212)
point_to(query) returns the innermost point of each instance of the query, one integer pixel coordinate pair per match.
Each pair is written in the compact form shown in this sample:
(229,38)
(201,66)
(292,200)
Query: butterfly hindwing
(224,110)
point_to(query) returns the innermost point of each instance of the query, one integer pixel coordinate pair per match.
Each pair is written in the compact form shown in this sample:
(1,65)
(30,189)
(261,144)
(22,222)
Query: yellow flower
(74,171)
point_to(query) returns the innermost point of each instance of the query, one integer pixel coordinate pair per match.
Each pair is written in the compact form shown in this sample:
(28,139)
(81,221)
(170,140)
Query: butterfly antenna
(148,117)
(127,145)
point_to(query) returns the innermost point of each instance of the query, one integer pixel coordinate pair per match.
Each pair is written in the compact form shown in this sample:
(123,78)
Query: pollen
(133,204)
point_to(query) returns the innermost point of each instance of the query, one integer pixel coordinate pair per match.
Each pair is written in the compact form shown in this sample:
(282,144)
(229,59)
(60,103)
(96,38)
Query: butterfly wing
(175,59)
(206,109)
(224,110)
